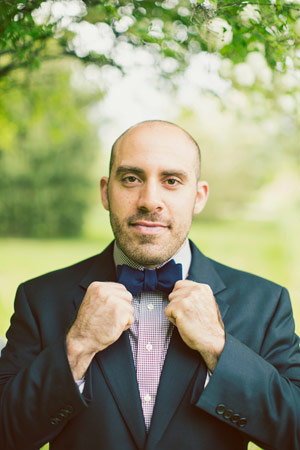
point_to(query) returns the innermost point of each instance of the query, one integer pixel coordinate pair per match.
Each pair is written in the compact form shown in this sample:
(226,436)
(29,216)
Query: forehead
(159,146)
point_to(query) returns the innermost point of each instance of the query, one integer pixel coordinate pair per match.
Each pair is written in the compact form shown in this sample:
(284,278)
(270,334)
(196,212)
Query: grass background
(267,249)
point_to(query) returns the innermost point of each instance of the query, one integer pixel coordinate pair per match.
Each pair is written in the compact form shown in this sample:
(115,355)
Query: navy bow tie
(162,279)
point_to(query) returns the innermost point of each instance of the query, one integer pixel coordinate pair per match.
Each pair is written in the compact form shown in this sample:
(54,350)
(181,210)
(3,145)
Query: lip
(144,227)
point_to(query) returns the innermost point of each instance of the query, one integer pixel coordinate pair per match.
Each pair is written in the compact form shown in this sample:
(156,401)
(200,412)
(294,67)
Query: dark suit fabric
(254,393)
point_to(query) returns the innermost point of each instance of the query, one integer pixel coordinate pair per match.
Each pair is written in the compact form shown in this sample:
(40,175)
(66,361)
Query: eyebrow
(170,172)
(175,172)
(124,169)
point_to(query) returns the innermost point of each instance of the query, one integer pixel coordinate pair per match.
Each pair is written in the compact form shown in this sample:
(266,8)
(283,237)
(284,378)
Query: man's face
(153,192)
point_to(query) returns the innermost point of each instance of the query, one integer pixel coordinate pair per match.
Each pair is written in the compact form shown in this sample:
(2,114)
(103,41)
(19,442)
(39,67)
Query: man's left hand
(194,311)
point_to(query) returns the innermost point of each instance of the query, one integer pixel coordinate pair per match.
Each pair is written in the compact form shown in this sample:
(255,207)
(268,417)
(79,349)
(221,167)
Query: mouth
(144,227)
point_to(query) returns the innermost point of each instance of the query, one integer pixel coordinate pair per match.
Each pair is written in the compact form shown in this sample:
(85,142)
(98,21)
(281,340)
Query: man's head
(153,190)
(153,123)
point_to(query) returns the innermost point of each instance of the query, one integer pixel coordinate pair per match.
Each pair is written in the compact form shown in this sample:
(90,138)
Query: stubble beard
(144,251)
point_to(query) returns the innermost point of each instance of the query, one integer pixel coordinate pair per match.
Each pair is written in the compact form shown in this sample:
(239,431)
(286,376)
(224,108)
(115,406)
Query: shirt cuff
(207,379)
(80,384)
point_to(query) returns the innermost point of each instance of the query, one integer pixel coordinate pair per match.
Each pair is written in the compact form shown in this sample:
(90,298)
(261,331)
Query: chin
(146,257)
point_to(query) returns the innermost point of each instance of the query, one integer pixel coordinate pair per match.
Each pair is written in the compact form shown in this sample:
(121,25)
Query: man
(151,345)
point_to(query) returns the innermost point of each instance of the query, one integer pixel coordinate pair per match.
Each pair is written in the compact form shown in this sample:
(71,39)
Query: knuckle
(97,288)
(187,303)
(131,319)
(207,288)
(94,285)
(128,296)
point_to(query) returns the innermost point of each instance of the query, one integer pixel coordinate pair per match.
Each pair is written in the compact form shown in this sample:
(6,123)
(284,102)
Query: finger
(172,320)
(121,288)
(130,321)
(99,285)
(111,289)
(180,283)
(126,296)
(180,292)
(129,314)
(170,312)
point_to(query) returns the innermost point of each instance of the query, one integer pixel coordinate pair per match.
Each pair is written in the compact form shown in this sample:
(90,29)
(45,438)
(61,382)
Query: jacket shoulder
(230,276)
(62,275)
(71,275)
(245,280)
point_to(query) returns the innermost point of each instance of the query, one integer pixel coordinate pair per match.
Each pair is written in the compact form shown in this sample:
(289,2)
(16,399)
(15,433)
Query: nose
(150,197)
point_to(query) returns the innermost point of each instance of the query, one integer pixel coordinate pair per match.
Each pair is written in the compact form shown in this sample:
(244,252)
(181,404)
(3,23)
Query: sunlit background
(74,75)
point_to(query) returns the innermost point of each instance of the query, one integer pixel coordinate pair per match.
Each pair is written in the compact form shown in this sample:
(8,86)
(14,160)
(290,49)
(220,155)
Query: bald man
(151,345)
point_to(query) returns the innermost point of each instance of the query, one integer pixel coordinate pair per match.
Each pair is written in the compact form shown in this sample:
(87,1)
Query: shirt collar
(183,256)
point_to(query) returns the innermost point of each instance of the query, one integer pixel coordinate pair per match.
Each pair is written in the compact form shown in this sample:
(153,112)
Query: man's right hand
(105,312)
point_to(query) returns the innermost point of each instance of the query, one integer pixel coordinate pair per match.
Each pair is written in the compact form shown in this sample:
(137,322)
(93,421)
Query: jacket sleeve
(38,394)
(258,393)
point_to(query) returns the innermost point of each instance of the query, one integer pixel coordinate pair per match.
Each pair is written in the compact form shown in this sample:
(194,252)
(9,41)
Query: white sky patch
(202,74)
(98,38)
(133,98)
(139,95)
(260,68)
(244,74)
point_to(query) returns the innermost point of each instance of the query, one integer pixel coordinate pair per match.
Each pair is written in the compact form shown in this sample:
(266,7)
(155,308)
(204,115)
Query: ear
(104,192)
(202,196)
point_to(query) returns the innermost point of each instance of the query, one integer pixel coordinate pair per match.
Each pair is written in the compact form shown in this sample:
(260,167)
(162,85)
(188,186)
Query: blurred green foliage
(47,150)
(170,29)
(250,155)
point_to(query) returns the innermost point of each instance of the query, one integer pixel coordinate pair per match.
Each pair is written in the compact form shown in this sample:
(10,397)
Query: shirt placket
(153,339)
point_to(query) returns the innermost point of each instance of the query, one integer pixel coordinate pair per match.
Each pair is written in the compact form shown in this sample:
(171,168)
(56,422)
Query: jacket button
(55,421)
(220,409)
(243,422)
(68,409)
(228,414)
(235,418)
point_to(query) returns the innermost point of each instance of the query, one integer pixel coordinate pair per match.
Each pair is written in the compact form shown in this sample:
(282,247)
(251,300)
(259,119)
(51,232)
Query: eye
(172,181)
(130,179)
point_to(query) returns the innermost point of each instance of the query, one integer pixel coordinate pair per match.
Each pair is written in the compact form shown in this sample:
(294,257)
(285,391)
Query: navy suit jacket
(254,393)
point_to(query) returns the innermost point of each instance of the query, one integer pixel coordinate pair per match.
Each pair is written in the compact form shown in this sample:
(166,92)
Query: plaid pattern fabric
(151,332)
(149,337)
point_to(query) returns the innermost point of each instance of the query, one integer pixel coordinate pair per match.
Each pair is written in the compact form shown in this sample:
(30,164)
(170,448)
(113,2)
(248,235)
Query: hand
(105,312)
(195,313)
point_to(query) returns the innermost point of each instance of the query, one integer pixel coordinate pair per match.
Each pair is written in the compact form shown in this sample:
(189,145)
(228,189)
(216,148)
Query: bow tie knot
(162,279)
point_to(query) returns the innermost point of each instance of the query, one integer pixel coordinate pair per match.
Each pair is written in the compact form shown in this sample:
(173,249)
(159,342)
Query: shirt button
(149,347)
(150,306)
(147,398)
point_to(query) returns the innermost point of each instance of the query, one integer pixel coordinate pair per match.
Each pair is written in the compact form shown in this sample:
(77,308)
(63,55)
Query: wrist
(212,353)
(79,356)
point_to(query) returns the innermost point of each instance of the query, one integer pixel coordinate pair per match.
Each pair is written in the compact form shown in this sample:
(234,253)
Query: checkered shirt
(151,332)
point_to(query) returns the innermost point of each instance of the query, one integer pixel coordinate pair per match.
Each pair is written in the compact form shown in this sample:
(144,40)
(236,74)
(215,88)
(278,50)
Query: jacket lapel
(182,363)
(116,361)
(116,364)
(202,271)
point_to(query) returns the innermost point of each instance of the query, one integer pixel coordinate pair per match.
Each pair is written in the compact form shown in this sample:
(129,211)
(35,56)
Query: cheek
(121,202)
(183,206)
